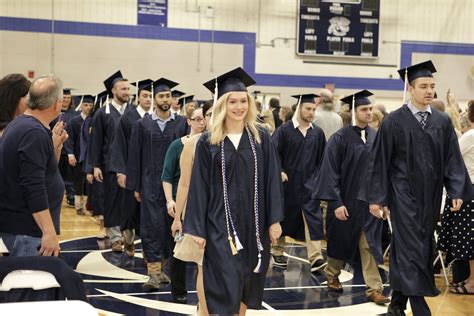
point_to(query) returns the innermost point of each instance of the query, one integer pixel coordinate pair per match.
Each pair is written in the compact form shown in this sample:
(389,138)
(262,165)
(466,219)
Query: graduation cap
(163,84)
(67,91)
(110,82)
(177,94)
(87,98)
(99,101)
(185,100)
(234,80)
(408,74)
(306,98)
(303,98)
(357,99)
(424,69)
(145,84)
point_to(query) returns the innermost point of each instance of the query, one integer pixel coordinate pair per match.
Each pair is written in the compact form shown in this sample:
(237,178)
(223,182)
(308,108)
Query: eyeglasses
(197,119)
(208,114)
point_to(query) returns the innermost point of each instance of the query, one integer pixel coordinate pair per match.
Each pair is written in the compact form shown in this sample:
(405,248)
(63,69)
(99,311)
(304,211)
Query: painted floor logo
(114,285)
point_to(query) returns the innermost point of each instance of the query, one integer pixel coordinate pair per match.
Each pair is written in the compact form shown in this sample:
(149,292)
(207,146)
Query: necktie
(362,136)
(424,119)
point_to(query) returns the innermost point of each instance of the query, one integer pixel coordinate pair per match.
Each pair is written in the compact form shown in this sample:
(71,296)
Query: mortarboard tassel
(405,85)
(353,111)
(232,246)
(136,94)
(215,93)
(80,103)
(152,99)
(297,110)
(258,268)
(107,106)
(237,242)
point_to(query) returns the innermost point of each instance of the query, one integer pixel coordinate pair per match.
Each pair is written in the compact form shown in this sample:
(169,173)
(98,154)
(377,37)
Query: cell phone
(178,236)
(61,117)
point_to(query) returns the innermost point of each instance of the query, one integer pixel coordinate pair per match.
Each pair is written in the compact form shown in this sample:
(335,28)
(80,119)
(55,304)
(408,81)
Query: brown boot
(153,283)
(378,298)
(129,249)
(164,278)
(129,246)
(117,246)
(333,283)
(102,232)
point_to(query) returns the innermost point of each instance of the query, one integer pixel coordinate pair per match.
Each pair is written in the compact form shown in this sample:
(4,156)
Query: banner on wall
(338,28)
(153,12)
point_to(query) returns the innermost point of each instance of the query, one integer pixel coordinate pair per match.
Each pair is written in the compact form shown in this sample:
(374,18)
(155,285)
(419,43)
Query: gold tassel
(232,246)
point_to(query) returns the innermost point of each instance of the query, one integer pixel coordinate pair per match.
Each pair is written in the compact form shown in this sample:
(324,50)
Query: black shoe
(318,265)
(180,298)
(70,200)
(280,261)
(395,311)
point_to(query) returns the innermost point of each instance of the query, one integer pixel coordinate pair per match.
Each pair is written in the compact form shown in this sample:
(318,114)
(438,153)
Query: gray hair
(327,99)
(44,92)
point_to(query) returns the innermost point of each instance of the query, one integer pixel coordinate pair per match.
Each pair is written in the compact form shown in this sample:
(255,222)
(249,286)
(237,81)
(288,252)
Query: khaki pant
(313,247)
(370,269)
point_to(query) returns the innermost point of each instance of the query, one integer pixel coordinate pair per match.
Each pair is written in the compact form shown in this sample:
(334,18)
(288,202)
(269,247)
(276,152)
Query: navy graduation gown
(96,192)
(409,167)
(130,208)
(73,143)
(300,158)
(146,155)
(229,279)
(103,129)
(344,165)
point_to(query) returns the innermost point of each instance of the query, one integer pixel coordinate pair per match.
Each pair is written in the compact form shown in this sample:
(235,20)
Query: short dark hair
(470,110)
(274,103)
(207,105)
(12,88)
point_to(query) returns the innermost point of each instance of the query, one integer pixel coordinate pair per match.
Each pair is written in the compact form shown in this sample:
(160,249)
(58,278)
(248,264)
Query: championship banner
(153,12)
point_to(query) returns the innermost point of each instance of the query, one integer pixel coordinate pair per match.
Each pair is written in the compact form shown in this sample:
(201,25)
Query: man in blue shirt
(31,188)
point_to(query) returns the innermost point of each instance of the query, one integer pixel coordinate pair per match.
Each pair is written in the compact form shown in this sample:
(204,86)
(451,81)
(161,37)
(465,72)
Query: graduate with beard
(353,234)
(234,200)
(130,209)
(149,141)
(95,189)
(104,123)
(300,146)
(415,153)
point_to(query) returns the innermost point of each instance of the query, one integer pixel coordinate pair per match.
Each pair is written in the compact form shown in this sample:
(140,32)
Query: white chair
(28,279)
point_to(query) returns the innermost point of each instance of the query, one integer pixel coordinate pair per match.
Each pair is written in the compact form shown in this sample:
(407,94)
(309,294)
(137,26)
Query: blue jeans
(21,245)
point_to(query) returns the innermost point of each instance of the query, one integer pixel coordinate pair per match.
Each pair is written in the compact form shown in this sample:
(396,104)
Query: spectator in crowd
(274,105)
(325,117)
(31,188)
(457,227)
(438,105)
(377,119)
(13,91)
